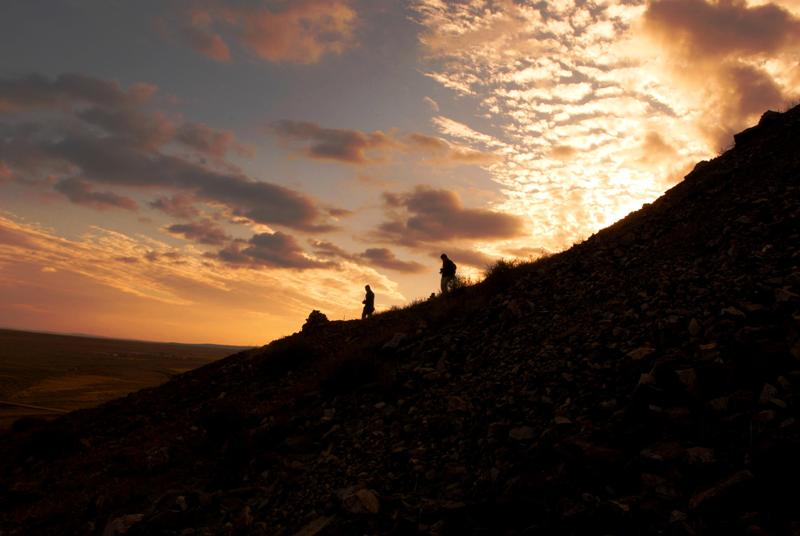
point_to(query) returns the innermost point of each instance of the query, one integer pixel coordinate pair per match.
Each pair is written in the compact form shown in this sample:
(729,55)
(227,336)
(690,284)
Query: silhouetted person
(369,303)
(448,272)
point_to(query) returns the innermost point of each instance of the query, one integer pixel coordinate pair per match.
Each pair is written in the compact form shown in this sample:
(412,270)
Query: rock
(122,524)
(640,353)
(688,377)
(768,392)
(733,311)
(315,526)
(783,295)
(361,501)
(396,340)
(694,327)
(666,451)
(722,492)
(700,456)
(315,320)
(521,433)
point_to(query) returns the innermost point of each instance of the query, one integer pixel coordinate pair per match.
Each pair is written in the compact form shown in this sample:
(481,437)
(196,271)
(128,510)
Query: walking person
(369,303)
(448,272)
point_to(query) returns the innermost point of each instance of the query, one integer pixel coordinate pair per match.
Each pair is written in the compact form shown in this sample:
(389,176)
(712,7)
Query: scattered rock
(521,433)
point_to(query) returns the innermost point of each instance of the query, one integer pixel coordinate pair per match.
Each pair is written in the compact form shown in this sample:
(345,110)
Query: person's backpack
(449,268)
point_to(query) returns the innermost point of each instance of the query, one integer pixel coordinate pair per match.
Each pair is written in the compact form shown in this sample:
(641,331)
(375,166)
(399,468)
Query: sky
(211,171)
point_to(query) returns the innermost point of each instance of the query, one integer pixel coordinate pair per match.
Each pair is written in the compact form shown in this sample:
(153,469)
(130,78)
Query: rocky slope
(643,382)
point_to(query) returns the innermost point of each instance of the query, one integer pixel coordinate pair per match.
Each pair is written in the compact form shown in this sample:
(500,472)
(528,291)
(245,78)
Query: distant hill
(642,382)
(102,337)
(44,373)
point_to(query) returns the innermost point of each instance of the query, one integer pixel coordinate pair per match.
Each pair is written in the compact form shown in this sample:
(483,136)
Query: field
(44,374)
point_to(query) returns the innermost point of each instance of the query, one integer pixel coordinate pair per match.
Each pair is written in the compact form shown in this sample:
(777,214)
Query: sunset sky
(209,171)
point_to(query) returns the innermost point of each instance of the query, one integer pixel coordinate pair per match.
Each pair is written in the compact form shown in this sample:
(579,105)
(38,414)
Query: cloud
(721,51)
(300,31)
(205,139)
(201,231)
(105,162)
(276,250)
(721,29)
(385,258)
(128,151)
(442,151)
(39,92)
(131,126)
(200,37)
(329,250)
(565,92)
(80,192)
(357,147)
(5,173)
(433,215)
(432,104)
(380,257)
(215,301)
(348,146)
(178,206)
(752,90)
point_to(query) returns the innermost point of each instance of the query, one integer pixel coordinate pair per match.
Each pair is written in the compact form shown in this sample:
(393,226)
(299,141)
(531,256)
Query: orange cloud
(722,28)
(142,288)
(299,31)
(199,36)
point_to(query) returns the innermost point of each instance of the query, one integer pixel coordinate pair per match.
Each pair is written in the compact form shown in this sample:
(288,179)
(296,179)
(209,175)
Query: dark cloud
(334,211)
(128,125)
(721,29)
(103,161)
(432,215)
(80,192)
(276,250)
(330,250)
(349,146)
(205,139)
(356,147)
(37,92)
(442,151)
(752,91)
(178,206)
(127,260)
(201,231)
(380,257)
(385,258)
(172,256)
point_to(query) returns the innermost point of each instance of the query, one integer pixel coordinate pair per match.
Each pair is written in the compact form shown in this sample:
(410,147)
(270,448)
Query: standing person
(448,272)
(369,303)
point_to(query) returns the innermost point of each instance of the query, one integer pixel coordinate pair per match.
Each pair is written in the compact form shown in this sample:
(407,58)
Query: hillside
(642,382)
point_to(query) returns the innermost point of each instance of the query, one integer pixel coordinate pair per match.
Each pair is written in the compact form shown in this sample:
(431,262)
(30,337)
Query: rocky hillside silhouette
(643,382)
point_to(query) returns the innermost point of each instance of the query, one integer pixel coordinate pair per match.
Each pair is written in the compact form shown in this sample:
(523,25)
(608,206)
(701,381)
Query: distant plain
(67,372)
